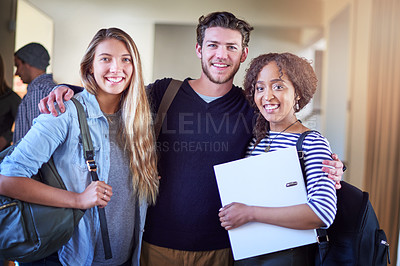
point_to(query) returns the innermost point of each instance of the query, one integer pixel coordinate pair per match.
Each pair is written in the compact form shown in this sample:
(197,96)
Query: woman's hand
(234,215)
(98,193)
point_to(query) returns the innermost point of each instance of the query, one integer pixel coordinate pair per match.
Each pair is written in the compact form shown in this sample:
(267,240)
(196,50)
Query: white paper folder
(272,179)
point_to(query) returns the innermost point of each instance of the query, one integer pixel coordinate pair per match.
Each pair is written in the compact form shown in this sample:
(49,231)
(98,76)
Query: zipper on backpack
(2,207)
(383,242)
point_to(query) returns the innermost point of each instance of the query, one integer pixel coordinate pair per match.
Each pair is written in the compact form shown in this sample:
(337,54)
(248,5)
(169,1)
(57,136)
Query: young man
(209,122)
(31,62)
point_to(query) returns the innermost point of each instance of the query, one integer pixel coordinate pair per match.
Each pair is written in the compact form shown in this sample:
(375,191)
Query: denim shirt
(60,136)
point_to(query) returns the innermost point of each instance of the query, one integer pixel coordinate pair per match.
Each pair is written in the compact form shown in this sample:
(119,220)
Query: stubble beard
(217,80)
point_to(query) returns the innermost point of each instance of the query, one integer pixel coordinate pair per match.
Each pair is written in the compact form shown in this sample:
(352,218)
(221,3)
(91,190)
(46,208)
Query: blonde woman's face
(112,67)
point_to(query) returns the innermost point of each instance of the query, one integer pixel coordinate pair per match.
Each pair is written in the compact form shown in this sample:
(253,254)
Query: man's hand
(46,105)
(336,173)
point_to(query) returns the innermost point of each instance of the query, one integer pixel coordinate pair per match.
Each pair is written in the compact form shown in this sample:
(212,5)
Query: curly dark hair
(298,70)
(225,20)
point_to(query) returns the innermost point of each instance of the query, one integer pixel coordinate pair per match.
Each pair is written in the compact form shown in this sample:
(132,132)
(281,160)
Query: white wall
(174,52)
(174,49)
(271,39)
(70,45)
(358,69)
(33,26)
(337,82)
(76,21)
(357,122)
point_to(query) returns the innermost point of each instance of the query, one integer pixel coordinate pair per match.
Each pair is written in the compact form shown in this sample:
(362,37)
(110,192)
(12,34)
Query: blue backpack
(355,237)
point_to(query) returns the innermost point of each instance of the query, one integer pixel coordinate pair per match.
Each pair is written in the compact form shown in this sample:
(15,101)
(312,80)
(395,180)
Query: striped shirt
(321,190)
(28,110)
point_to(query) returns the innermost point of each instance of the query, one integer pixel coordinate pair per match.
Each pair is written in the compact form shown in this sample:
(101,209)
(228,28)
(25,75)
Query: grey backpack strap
(166,101)
(89,157)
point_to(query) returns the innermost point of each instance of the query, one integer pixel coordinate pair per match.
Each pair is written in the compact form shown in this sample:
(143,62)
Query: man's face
(221,54)
(23,70)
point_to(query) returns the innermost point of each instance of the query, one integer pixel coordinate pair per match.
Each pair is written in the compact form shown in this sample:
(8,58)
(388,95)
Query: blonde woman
(119,119)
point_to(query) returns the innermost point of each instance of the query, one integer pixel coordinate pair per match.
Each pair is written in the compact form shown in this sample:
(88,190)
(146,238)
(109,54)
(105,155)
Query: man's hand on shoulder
(334,173)
(60,94)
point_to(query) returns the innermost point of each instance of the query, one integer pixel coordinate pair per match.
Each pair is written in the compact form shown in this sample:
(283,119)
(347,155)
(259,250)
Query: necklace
(270,142)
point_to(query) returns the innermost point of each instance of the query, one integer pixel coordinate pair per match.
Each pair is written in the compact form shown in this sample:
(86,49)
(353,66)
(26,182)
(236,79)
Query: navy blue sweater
(195,136)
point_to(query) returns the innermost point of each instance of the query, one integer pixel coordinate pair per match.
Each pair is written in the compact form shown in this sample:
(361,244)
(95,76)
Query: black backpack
(30,232)
(355,237)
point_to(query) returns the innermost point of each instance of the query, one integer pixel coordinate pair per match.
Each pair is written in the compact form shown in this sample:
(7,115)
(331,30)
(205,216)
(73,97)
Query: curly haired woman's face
(274,96)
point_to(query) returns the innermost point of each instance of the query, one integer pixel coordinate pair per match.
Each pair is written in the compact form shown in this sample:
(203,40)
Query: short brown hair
(225,20)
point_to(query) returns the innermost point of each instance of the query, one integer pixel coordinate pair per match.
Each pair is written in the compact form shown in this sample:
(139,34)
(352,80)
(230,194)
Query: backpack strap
(300,153)
(166,101)
(89,157)
(322,234)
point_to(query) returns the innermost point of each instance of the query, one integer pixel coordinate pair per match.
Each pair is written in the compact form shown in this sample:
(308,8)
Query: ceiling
(268,13)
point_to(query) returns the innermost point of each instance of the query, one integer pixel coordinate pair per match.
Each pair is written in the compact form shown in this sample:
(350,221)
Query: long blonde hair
(137,131)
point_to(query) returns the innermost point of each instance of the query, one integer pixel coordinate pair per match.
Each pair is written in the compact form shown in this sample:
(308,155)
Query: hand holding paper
(268,180)
(234,215)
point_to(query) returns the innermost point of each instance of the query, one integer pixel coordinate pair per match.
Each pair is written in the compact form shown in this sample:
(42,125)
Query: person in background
(31,62)
(9,102)
(278,86)
(120,124)
(209,122)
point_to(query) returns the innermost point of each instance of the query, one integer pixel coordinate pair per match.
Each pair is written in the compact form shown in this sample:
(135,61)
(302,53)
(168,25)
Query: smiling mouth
(270,107)
(219,65)
(115,80)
